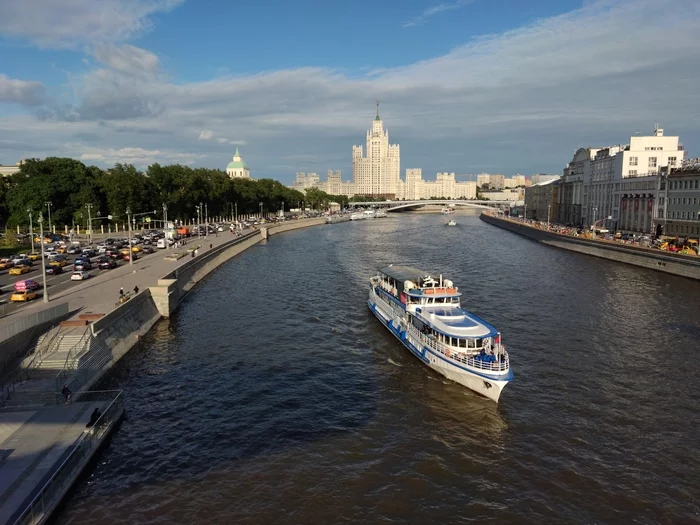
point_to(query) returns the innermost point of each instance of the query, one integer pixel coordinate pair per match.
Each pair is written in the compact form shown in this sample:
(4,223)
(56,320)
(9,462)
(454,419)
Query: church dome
(237,163)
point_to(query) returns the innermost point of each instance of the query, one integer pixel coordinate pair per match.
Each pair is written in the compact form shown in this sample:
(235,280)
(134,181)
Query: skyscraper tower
(378,173)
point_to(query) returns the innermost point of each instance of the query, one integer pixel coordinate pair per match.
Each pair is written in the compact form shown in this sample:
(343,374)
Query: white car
(79,275)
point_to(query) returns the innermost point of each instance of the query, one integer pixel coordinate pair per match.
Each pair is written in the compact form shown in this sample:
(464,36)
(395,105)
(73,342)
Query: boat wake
(394,363)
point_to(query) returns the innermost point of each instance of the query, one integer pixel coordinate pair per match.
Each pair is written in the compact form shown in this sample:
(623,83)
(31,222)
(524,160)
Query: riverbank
(682,265)
(35,459)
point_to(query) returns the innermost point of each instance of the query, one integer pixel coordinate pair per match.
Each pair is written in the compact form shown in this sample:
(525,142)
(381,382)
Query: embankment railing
(83,449)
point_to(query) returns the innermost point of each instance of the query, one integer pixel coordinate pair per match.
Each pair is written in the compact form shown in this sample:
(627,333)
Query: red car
(126,256)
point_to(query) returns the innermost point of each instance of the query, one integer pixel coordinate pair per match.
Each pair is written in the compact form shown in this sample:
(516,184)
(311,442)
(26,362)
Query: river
(273,396)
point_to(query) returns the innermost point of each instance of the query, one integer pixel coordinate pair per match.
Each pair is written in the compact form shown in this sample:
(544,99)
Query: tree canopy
(70,186)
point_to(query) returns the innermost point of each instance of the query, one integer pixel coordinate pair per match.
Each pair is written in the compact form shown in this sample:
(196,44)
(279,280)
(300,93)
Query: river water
(273,396)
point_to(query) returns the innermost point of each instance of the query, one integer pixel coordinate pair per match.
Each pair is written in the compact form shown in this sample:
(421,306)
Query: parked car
(5,264)
(54,270)
(23,296)
(126,257)
(79,275)
(147,249)
(75,249)
(34,256)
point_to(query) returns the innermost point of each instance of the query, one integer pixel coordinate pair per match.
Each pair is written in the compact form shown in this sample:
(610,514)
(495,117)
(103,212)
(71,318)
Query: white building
(512,195)
(379,172)
(237,169)
(6,171)
(542,177)
(516,181)
(445,186)
(494,181)
(304,181)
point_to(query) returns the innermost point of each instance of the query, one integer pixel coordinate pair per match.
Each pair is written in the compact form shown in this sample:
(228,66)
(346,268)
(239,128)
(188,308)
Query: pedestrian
(196,252)
(211,246)
(66,394)
(121,292)
(136,290)
(192,252)
(93,418)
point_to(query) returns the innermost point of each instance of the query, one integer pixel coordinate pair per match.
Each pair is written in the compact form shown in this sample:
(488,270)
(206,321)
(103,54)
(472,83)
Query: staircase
(62,346)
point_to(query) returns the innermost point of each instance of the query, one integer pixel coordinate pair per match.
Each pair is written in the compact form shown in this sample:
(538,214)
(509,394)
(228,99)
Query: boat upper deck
(455,321)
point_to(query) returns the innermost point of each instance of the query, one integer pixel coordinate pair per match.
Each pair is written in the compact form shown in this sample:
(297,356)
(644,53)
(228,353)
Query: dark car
(54,270)
(147,249)
(81,264)
(105,263)
(114,254)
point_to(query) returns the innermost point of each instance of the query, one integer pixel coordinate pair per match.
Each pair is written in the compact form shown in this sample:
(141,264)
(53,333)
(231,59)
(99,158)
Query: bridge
(392,206)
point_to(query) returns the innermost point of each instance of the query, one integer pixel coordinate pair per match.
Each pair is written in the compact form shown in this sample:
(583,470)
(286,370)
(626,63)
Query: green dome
(237,164)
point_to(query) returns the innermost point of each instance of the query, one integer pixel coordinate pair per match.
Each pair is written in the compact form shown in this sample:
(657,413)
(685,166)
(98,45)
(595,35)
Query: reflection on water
(274,396)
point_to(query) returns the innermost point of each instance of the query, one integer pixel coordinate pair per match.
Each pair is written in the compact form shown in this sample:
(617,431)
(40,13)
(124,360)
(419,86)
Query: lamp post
(43,261)
(166,225)
(199,214)
(595,214)
(549,209)
(31,228)
(261,212)
(526,212)
(128,222)
(236,215)
(206,220)
(48,205)
(89,209)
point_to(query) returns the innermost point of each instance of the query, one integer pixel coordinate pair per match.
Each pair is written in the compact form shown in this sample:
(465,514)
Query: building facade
(493,181)
(377,173)
(510,194)
(516,181)
(541,200)
(6,171)
(237,169)
(571,188)
(682,201)
(539,178)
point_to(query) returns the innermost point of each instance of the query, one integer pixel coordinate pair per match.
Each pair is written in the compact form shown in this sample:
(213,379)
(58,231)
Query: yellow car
(136,249)
(124,251)
(34,256)
(58,262)
(23,296)
(19,270)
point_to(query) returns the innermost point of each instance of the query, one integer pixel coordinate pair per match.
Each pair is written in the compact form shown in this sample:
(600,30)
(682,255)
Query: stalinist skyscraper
(379,172)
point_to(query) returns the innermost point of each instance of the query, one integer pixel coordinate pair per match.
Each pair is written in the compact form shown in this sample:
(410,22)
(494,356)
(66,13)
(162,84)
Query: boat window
(462,343)
(478,343)
(472,343)
(455,300)
(439,300)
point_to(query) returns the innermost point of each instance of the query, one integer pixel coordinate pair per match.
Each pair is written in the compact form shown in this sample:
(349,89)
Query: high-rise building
(377,173)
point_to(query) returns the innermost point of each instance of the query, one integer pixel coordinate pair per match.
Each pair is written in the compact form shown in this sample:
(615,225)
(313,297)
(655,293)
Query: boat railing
(456,355)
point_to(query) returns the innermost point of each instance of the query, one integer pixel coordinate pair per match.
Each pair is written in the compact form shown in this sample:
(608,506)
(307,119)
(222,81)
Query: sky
(465,86)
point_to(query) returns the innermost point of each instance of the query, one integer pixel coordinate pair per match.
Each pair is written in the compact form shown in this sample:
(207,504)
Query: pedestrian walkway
(32,445)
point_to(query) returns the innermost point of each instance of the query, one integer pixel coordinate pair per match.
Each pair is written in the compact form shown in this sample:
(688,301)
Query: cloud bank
(520,101)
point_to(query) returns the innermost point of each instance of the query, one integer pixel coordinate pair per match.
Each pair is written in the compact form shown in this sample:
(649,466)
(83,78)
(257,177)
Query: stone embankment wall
(683,265)
(117,332)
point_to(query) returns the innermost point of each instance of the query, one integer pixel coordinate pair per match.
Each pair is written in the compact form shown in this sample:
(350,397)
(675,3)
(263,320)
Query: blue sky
(466,85)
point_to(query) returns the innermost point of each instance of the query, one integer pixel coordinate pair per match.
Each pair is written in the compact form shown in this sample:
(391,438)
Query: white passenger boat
(380,214)
(424,313)
(358,216)
(370,214)
(447,210)
(452,223)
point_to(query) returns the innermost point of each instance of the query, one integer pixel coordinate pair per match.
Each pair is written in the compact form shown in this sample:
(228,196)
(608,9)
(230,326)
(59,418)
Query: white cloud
(137,156)
(436,9)
(71,23)
(206,134)
(519,101)
(127,59)
(23,92)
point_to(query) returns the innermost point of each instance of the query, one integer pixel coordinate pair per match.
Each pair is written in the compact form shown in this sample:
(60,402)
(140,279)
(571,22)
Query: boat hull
(486,385)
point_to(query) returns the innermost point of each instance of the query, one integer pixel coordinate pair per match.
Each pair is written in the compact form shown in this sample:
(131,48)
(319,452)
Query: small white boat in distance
(380,214)
(357,216)
(452,223)
(447,210)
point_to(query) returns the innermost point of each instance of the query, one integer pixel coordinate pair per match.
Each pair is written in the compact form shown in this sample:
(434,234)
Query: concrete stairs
(28,399)
(63,345)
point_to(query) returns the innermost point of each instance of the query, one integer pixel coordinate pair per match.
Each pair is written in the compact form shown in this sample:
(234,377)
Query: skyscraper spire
(377,111)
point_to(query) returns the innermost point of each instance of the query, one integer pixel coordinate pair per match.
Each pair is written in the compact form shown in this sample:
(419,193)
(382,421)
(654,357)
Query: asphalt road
(54,283)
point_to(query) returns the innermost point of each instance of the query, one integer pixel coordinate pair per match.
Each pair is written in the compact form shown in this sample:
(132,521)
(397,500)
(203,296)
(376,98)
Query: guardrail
(41,350)
(51,494)
(32,320)
(73,354)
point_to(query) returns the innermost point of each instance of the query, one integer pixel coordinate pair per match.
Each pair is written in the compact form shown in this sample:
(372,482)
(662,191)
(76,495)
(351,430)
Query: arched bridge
(391,206)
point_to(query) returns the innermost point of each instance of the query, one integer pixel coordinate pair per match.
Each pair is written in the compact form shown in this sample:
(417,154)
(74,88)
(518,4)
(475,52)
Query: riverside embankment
(682,265)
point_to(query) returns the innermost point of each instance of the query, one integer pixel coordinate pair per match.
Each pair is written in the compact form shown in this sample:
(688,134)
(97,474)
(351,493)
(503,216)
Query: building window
(633,172)
(652,162)
(672,161)
(661,201)
(633,161)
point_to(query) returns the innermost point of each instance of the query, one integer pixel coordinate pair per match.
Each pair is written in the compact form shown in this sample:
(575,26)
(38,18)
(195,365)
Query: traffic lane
(54,284)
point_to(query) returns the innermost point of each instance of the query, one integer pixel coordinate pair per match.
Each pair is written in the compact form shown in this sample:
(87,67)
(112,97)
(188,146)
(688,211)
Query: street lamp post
(128,222)
(43,261)
(261,212)
(166,225)
(199,220)
(526,211)
(595,214)
(236,216)
(31,228)
(89,209)
(48,205)
(549,209)
(206,220)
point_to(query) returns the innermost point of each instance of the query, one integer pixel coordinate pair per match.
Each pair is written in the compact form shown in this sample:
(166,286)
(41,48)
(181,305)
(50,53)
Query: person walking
(136,290)
(66,394)
(192,252)
(211,246)
(121,292)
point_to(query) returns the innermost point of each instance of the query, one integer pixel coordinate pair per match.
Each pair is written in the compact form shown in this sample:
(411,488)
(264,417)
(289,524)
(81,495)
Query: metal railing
(42,350)
(31,320)
(83,449)
(70,363)
(448,351)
